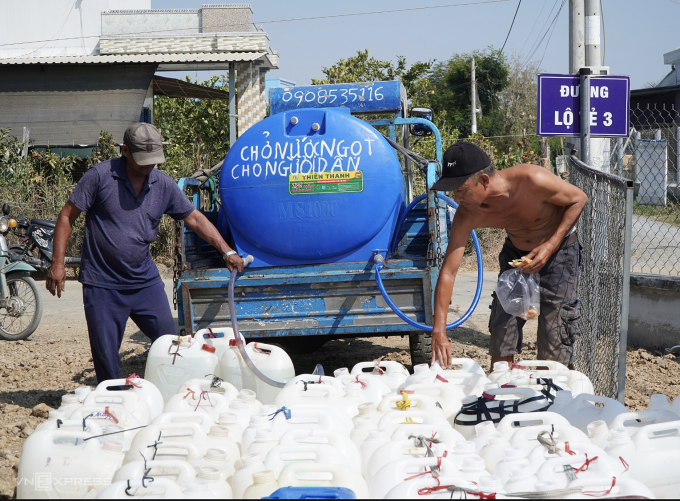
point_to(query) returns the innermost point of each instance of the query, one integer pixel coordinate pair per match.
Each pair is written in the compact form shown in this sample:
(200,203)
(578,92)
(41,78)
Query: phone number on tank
(343,96)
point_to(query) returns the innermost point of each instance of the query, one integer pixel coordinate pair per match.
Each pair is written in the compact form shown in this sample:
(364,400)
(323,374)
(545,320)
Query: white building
(70,68)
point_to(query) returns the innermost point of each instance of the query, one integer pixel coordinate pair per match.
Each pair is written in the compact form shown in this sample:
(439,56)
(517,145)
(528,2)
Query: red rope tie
(625,465)
(488,396)
(107,413)
(568,450)
(491,495)
(586,465)
(212,334)
(191,392)
(129,380)
(508,385)
(377,367)
(362,383)
(601,493)
(428,472)
(425,491)
(517,366)
(442,379)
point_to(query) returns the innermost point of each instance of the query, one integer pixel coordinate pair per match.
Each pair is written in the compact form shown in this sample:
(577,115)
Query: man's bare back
(520,207)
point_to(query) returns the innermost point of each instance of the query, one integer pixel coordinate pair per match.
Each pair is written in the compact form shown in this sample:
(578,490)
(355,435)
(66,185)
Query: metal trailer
(320,302)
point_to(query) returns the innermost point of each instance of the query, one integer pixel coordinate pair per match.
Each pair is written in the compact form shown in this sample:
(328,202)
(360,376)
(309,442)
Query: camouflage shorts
(558,320)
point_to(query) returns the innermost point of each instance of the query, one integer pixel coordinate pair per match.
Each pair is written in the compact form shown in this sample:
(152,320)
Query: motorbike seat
(44,222)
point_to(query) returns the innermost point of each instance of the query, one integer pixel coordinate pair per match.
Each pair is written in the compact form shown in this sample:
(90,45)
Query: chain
(438,233)
(178,263)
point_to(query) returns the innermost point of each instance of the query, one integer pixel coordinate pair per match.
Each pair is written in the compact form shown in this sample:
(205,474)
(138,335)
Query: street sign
(362,97)
(559,104)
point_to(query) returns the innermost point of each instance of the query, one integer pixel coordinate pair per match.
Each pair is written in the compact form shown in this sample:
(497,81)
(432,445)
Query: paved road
(655,247)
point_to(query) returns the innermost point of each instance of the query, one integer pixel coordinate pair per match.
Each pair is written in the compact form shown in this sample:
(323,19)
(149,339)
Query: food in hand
(516,263)
(531,314)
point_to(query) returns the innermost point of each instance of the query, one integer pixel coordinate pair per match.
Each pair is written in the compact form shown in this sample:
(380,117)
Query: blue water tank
(310,186)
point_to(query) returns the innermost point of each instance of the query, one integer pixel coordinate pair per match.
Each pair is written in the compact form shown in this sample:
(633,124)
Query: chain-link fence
(602,286)
(649,157)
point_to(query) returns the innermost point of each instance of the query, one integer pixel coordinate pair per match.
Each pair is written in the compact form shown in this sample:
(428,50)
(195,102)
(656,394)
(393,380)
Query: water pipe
(237,335)
(379,264)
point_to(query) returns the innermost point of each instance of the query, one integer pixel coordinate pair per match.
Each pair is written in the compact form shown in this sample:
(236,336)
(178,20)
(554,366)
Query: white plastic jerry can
(657,458)
(582,410)
(162,488)
(392,373)
(134,403)
(335,439)
(218,337)
(214,385)
(274,363)
(176,470)
(172,360)
(145,389)
(324,475)
(633,421)
(208,402)
(395,473)
(66,464)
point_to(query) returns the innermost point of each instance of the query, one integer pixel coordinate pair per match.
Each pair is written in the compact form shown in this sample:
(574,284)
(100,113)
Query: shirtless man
(538,210)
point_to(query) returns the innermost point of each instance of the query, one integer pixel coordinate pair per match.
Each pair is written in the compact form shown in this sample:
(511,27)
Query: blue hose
(379,267)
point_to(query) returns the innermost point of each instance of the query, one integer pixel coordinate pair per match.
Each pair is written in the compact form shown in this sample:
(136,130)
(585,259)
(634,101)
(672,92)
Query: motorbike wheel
(21,316)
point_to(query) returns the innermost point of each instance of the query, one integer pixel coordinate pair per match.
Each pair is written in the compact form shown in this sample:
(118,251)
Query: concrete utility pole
(592,33)
(232,104)
(473,97)
(577,52)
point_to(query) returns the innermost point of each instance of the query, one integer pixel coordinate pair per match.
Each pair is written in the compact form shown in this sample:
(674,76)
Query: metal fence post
(625,299)
(677,155)
(619,155)
(585,115)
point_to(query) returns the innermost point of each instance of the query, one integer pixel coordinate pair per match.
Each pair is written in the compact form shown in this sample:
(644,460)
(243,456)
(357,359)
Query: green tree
(366,68)
(197,129)
(451,90)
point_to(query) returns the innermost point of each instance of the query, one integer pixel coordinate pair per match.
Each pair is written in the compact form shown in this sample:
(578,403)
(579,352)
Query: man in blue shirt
(125,199)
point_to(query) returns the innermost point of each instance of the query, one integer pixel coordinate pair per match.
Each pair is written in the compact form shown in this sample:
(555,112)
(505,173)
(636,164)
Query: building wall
(653,319)
(29,25)
(71,104)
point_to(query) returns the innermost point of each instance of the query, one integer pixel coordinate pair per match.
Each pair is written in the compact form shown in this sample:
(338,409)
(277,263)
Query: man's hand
(441,349)
(234,261)
(539,256)
(56,279)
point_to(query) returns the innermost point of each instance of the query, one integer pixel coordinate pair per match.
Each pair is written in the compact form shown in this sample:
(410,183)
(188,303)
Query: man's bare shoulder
(530,175)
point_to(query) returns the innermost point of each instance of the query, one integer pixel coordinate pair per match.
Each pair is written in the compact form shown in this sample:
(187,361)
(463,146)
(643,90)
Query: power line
(331,16)
(537,42)
(534,26)
(511,25)
(551,32)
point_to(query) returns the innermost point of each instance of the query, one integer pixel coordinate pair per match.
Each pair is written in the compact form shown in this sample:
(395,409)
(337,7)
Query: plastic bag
(519,293)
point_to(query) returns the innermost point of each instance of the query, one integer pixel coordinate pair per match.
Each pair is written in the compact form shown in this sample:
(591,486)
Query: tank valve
(293,120)
(315,127)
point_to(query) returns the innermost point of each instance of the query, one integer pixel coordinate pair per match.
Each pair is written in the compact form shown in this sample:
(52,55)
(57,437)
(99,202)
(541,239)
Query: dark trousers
(558,321)
(107,312)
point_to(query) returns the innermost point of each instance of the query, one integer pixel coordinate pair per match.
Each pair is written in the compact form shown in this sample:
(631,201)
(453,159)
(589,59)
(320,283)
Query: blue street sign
(558,109)
(362,97)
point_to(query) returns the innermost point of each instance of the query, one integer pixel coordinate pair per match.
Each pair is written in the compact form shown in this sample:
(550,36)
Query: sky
(637,33)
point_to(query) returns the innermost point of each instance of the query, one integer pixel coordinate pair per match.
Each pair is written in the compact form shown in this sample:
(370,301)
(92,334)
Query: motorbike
(21,302)
(37,236)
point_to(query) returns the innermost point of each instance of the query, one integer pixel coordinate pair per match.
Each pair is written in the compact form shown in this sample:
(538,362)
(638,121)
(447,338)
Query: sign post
(559,105)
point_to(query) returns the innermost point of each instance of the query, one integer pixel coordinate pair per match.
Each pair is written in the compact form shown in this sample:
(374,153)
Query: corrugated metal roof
(172,87)
(201,57)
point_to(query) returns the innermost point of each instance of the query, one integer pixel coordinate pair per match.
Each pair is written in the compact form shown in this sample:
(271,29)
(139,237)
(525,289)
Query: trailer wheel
(420,344)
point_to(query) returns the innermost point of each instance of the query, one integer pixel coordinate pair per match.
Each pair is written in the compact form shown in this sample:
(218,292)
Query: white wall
(36,28)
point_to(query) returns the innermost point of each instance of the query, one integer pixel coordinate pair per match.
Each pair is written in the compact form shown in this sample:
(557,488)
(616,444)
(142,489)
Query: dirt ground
(56,359)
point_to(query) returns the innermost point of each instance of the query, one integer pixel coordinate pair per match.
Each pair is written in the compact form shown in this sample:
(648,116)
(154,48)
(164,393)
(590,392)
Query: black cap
(460,162)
